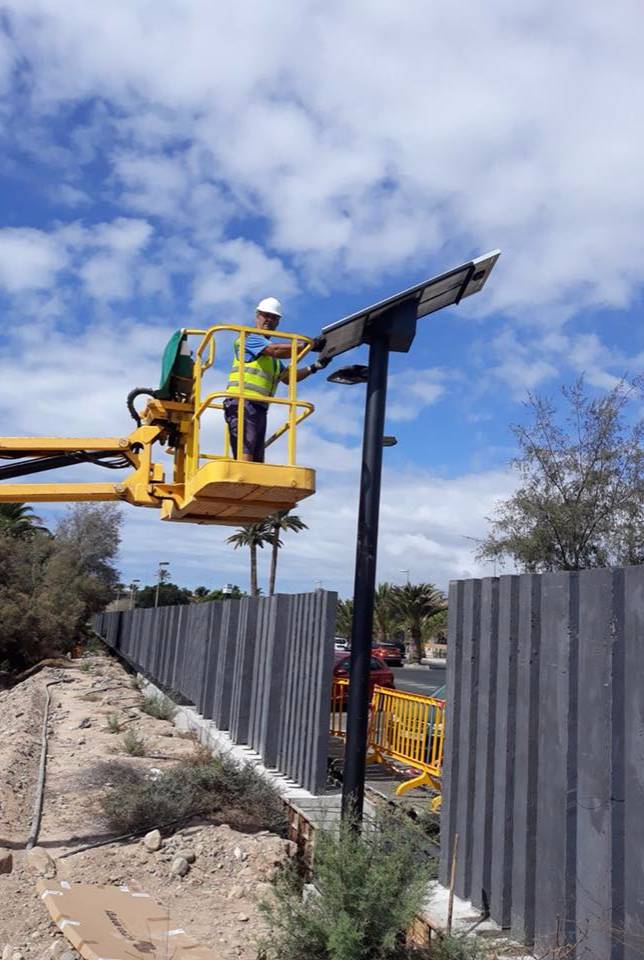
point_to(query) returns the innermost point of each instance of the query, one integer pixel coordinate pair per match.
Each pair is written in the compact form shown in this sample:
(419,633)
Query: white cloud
(29,259)
(519,367)
(240,272)
(414,391)
(505,126)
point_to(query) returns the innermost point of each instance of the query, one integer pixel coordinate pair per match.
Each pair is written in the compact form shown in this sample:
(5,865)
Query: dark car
(379,673)
(388,652)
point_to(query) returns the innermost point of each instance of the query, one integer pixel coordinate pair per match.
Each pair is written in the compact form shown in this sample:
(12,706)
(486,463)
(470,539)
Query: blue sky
(165,164)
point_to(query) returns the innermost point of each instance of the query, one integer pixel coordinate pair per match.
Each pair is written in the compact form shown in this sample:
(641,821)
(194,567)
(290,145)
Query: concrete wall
(544,756)
(259,668)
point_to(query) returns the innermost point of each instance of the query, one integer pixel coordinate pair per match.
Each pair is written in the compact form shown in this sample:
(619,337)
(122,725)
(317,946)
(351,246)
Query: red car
(379,673)
(388,652)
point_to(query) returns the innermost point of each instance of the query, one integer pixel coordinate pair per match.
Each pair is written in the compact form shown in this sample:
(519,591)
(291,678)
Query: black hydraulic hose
(131,397)
(32,839)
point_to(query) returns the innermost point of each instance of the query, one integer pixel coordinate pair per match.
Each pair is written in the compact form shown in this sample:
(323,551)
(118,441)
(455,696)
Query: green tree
(170,595)
(435,627)
(414,604)
(280,522)
(49,586)
(91,532)
(384,611)
(235,593)
(580,499)
(19,520)
(253,536)
(344,618)
(200,593)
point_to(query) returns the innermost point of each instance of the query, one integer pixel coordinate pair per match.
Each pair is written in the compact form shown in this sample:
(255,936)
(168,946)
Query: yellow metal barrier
(404,727)
(339,697)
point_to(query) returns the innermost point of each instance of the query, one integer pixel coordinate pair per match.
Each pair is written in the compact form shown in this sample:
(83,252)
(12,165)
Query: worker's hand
(318,344)
(320,364)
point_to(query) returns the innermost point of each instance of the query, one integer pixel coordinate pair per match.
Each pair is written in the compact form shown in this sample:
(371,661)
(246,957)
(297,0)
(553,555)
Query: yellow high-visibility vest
(261,375)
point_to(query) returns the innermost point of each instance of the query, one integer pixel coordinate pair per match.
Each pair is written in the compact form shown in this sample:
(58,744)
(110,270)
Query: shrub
(218,788)
(133,744)
(159,707)
(371,885)
(113,723)
(455,948)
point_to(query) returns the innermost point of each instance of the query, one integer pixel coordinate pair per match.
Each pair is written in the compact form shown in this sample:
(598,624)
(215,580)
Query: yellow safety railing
(403,727)
(339,697)
(205,356)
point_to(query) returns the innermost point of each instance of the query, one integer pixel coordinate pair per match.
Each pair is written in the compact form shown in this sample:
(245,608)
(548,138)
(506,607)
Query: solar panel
(430,295)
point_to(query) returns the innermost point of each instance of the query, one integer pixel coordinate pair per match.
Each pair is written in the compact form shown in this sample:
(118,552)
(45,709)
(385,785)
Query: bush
(455,948)
(219,788)
(133,744)
(371,885)
(159,707)
(113,723)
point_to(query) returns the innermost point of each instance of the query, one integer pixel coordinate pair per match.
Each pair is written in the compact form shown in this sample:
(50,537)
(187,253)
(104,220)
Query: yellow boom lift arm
(204,487)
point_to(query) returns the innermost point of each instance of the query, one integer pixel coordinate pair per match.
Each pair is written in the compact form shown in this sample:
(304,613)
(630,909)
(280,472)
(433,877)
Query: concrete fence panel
(258,668)
(544,756)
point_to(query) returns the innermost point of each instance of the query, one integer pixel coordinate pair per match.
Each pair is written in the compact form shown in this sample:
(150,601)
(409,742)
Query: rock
(57,949)
(243,918)
(180,867)
(240,854)
(188,855)
(7,952)
(17,955)
(152,841)
(310,892)
(85,722)
(40,863)
(235,893)
(6,861)
(70,955)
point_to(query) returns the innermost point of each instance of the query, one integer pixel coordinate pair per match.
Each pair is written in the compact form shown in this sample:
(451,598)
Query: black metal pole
(365,581)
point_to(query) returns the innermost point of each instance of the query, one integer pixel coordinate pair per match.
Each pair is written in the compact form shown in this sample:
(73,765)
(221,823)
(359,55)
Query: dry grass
(217,787)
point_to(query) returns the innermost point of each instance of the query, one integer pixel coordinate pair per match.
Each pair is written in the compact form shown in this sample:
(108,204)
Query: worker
(263,371)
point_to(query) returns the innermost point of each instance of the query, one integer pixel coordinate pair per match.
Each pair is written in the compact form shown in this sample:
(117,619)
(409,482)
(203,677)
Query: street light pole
(386,326)
(365,580)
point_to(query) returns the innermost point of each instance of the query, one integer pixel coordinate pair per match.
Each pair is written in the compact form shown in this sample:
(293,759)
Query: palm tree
(19,520)
(384,611)
(344,618)
(280,522)
(414,603)
(251,535)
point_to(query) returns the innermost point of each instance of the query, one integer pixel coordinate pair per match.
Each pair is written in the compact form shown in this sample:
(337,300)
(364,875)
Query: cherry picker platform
(201,486)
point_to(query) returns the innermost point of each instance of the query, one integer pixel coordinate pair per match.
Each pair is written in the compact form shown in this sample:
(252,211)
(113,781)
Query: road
(421,679)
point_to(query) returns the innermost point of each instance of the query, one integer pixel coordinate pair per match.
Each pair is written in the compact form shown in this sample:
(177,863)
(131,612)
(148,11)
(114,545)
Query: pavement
(419,678)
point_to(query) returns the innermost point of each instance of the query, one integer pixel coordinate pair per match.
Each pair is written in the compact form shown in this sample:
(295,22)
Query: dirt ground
(216,902)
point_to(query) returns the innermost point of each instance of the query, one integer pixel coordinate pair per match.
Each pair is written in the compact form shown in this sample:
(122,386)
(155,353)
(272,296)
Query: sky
(167,164)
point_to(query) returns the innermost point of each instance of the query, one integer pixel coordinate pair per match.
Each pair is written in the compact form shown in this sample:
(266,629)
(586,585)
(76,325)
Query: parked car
(388,652)
(379,673)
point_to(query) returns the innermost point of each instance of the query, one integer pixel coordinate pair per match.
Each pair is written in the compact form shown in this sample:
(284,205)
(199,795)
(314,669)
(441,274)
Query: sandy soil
(216,901)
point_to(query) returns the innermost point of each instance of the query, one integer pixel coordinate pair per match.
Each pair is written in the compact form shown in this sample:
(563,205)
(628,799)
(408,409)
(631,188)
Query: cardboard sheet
(118,923)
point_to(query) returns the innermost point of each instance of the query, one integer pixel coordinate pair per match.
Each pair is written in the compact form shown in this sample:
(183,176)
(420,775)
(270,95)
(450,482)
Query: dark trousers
(255,415)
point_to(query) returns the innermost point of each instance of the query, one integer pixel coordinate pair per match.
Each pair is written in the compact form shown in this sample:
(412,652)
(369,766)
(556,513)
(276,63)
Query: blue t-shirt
(255,345)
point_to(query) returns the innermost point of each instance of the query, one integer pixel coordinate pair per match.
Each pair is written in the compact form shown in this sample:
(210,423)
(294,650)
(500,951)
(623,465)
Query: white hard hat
(270,305)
